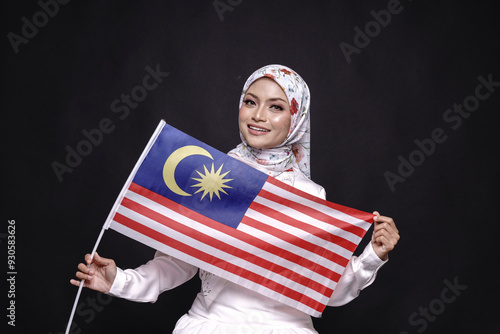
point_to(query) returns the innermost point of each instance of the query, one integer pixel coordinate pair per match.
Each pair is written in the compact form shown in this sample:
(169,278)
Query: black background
(365,114)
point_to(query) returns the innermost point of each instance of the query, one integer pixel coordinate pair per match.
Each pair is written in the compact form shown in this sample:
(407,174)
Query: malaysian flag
(197,204)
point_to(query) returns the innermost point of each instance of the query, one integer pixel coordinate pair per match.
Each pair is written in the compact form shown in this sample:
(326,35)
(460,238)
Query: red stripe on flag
(316,231)
(290,238)
(311,212)
(217,243)
(367,217)
(223,246)
(229,267)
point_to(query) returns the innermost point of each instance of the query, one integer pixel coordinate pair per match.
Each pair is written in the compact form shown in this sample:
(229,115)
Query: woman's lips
(257,130)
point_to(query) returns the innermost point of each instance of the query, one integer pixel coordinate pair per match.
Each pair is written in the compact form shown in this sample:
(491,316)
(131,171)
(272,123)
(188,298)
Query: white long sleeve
(146,282)
(359,273)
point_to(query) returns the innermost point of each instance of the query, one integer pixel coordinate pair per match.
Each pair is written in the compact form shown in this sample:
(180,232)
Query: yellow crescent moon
(174,159)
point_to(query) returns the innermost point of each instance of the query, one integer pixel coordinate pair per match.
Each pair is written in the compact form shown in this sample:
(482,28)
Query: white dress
(223,307)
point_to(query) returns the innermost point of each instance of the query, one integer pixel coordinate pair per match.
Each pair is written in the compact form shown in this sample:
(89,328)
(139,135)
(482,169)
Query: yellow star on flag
(212,182)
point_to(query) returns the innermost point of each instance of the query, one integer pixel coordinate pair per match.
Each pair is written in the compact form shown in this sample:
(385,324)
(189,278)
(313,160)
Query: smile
(258,129)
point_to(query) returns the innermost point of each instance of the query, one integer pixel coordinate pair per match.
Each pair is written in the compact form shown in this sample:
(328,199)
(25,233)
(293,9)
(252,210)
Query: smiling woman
(274,130)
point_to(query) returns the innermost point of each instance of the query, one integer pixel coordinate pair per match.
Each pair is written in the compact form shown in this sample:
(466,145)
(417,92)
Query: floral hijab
(295,149)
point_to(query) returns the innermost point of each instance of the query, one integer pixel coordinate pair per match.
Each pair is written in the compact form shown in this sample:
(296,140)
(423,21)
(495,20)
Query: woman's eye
(249,102)
(277,107)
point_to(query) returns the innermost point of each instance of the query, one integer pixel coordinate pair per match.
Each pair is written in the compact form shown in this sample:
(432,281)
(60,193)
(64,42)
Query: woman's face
(264,117)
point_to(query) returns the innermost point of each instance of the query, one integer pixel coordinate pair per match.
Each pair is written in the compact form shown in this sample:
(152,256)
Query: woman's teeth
(257,129)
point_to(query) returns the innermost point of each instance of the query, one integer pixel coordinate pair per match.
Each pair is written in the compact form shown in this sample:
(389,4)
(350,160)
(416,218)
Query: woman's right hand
(99,274)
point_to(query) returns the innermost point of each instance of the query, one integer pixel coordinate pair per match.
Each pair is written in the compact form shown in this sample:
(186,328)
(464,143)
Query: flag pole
(82,283)
(113,210)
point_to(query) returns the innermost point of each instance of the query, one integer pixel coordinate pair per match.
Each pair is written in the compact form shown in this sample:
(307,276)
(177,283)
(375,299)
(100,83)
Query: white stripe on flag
(290,196)
(227,257)
(320,243)
(292,213)
(237,279)
(302,252)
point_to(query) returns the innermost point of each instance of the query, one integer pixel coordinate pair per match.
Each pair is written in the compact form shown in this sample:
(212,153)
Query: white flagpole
(82,282)
(113,210)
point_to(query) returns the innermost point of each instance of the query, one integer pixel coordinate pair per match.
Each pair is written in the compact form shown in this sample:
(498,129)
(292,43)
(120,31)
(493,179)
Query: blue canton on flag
(199,177)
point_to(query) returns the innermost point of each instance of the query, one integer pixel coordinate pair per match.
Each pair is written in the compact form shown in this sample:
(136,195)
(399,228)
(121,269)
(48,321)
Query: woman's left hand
(385,235)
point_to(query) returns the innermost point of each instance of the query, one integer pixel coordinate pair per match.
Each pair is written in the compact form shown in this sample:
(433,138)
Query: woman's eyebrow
(271,99)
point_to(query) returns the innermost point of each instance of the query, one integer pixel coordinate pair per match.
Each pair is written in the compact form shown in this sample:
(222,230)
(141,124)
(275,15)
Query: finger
(76,282)
(383,219)
(386,227)
(83,268)
(101,261)
(379,216)
(81,275)
(387,244)
(386,231)
(89,259)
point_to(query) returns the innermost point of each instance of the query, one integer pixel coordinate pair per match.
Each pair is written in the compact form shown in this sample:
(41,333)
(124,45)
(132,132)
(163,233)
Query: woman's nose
(260,114)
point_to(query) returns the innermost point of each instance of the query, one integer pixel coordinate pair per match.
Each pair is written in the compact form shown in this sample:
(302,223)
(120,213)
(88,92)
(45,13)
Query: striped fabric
(287,245)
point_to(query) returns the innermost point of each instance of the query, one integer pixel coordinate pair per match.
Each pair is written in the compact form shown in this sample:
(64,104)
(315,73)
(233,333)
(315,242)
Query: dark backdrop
(375,96)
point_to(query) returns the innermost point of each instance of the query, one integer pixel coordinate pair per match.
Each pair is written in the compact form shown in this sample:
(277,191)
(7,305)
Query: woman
(275,132)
